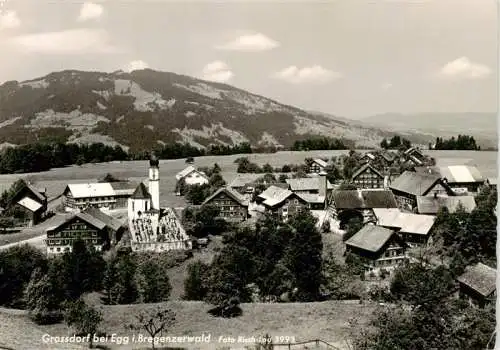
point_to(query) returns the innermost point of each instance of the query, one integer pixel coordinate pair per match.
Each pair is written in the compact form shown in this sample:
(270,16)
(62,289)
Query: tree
(196,194)
(110,280)
(216,181)
(154,323)
(384,144)
(194,285)
(85,319)
(42,299)
(304,255)
(125,289)
(282,178)
(267,168)
(152,282)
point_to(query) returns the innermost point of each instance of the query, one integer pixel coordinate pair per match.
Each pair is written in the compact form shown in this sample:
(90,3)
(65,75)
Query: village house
(367,177)
(492,182)
(31,202)
(388,156)
(233,207)
(368,157)
(348,204)
(430,205)
(244,183)
(105,195)
(415,229)
(192,176)
(378,247)
(312,185)
(151,227)
(317,165)
(415,153)
(477,285)
(462,179)
(91,225)
(409,185)
(281,202)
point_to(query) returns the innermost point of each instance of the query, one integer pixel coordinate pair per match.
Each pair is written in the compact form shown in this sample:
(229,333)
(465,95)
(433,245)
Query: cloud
(68,42)
(90,10)
(463,68)
(217,71)
(250,43)
(312,74)
(135,65)
(9,20)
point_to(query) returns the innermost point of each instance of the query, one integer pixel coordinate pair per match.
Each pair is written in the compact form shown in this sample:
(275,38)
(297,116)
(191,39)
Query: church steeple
(154,181)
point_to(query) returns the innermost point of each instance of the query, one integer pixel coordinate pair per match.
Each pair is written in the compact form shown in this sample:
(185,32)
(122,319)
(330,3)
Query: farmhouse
(461,178)
(477,285)
(310,185)
(409,185)
(281,202)
(31,202)
(106,195)
(367,177)
(233,207)
(368,157)
(244,183)
(378,247)
(415,153)
(91,225)
(317,165)
(388,156)
(192,176)
(153,228)
(431,205)
(414,229)
(348,204)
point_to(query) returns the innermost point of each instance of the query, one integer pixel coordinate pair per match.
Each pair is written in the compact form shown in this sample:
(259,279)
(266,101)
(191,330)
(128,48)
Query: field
(55,180)
(304,321)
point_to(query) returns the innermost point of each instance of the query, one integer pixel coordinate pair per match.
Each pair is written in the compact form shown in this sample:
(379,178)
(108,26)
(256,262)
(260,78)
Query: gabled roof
(368,155)
(414,183)
(274,195)
(407,222)
(29,188)
(307,184)
(311,197)
(188,170)
(320,162)
(364,168)
(461,174)
(109,221)
(431,205)
(371,238)
(413,150)
(388,156)
(124,187)
(30,204)
(141,192)
(363,199)
(90,190)
(480,278)
(231,193)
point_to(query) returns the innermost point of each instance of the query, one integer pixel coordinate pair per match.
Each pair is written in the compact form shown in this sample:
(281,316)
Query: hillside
(483,126)
(145,108)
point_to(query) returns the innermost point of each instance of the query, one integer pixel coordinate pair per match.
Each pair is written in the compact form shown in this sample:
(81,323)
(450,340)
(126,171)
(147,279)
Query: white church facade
(153,228)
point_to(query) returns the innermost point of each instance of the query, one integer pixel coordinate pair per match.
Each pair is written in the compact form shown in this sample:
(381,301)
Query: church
(153,228)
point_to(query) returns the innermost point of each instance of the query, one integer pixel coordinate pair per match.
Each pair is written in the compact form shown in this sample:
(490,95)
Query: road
(35,241)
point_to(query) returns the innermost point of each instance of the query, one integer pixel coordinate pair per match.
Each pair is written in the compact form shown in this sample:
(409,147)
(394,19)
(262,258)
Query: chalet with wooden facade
(245,183)
(31,202)
(233,207)
(378,247)
(430,205)
(409,185)
(388,156)
(317,165)
(347,204)
(415,153)
(415,229)
(281,202)
(477,285)
(91,225)
(106,195)
(367,177)
(312,185)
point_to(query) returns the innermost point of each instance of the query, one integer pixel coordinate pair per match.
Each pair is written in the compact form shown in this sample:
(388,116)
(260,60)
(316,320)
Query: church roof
(141,192)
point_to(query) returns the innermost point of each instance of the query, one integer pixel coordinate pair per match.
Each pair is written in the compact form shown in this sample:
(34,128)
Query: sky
(350,58)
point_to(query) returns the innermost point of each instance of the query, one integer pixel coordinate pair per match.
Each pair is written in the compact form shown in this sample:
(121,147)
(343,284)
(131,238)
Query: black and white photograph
(248,174)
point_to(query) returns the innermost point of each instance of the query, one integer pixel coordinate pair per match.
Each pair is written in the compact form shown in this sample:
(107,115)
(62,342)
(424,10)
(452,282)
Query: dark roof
(364,199)
(414,183)
(389,156)
(480,278)
(123,185)
(231,193)
(371,238)
(153,160)
(141,192)
(27,187)
(109,221)
(364,168)
(431,205)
